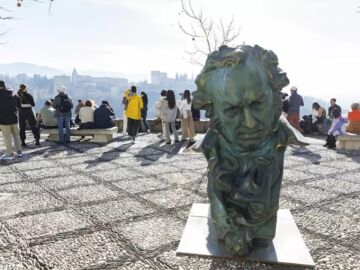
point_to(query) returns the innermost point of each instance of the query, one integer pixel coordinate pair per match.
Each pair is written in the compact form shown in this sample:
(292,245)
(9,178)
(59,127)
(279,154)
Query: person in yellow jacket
(133,112)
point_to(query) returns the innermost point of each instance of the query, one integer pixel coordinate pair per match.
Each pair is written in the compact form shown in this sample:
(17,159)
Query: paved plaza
(124,206)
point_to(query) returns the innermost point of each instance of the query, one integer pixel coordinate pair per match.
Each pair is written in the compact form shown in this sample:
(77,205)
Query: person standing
(144,111)
(158,106)
(133,112)
(125,103)
(187,123)
(295,102)
(27,115)
(9,125)
(63,105)
(332,107)
(168,113)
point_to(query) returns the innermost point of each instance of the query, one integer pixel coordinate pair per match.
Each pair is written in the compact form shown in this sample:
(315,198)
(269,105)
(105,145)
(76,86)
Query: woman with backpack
(187,123)
(168,115)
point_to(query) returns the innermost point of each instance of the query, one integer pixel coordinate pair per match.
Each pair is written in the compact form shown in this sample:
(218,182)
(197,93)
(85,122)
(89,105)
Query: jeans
(64,121)
(167,131)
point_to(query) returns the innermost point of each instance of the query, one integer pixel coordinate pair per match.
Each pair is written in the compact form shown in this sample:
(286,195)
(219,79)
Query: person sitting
(337,128)
(318,117)
(46,117)
(77,110)
(86,115)
(354,119)
(104,115)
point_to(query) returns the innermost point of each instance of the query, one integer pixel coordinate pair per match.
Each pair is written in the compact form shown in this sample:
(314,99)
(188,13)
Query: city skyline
(319,54)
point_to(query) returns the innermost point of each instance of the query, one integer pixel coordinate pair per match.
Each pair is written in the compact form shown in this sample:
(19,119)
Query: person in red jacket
(354,119)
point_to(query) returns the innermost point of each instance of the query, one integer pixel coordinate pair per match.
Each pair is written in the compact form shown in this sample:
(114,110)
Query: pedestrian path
(124,206)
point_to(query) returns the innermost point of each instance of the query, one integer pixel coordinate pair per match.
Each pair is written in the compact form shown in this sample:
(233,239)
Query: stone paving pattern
(124,206)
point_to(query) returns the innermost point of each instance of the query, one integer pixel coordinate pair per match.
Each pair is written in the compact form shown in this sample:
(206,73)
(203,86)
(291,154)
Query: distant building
(62,80)
(158,77)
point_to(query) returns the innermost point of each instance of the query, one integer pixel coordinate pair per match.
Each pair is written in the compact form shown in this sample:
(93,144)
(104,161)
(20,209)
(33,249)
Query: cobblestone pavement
(123,206)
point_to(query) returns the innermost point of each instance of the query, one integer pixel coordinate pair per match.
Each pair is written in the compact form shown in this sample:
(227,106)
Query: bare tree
(205,34)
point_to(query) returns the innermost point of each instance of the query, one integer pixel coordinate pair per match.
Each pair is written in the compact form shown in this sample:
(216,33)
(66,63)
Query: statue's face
(242,101)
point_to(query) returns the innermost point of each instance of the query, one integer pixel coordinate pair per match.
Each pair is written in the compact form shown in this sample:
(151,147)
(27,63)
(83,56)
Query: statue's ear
(292,135)
(200,102)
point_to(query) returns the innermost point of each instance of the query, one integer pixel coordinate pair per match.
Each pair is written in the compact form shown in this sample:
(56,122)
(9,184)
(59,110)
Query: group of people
(17,112)
(331,122)
(167,111)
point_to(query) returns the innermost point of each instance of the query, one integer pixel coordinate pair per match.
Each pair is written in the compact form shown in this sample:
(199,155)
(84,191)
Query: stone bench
(349,141)
(100,135)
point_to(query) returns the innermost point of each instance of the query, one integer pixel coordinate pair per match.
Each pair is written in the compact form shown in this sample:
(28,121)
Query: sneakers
(168,143)
(177,141)
(7,157)
(19,154)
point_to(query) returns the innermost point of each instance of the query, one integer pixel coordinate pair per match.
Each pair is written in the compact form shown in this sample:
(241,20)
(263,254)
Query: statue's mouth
(250,135)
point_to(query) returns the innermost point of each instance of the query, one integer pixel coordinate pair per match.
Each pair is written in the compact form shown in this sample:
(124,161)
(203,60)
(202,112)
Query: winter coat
(8,107)
(103,117)
(134,106)
(56,106)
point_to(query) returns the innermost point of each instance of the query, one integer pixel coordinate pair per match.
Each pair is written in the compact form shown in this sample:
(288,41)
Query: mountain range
(13,69)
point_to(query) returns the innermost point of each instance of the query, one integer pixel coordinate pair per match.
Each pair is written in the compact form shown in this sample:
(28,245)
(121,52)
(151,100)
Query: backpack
(65,104)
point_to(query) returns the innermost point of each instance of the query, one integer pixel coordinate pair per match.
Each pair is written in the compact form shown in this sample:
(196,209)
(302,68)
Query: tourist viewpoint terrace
(124,206)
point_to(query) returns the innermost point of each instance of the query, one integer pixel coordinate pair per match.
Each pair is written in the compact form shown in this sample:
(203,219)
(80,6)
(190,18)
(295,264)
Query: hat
(294,88)
(61,89)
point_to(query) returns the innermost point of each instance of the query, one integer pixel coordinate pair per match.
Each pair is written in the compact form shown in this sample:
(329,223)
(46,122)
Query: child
(337,128)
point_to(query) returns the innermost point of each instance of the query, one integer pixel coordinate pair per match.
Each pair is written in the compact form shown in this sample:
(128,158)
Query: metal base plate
(287,247)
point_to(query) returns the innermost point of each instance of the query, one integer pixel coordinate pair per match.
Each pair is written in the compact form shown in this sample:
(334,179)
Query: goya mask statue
(241,90)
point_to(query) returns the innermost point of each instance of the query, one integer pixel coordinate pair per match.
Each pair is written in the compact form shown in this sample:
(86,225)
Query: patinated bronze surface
(240,90)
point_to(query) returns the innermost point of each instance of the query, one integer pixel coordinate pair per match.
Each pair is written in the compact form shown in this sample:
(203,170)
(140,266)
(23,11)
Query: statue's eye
(256,103)
(232,111)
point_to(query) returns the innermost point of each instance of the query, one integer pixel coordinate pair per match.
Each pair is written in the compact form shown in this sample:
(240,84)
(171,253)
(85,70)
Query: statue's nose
(249,119)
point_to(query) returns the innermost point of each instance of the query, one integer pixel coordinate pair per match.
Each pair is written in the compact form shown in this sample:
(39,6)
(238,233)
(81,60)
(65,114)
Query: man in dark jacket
(26,114)
(9,122)
(295,102)
(63,105)
(104,115)
(332,107)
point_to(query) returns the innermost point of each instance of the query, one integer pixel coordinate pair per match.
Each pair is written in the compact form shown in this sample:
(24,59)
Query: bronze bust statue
(240,88)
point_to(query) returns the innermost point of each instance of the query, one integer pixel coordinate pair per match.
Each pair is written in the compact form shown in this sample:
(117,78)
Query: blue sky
(317,41)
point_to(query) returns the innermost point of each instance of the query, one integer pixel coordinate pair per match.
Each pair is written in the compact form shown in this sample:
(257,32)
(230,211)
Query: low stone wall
(155,125)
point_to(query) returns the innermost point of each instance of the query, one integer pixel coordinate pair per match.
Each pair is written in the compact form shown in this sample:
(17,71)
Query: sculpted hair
(277,79)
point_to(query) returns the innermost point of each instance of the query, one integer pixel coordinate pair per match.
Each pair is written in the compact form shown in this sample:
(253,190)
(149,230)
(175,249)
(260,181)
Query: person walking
(9,124)
(187,123)
(133,112)
(63,105)
(295,102)
(144,111)
(168,115)
(27,115)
